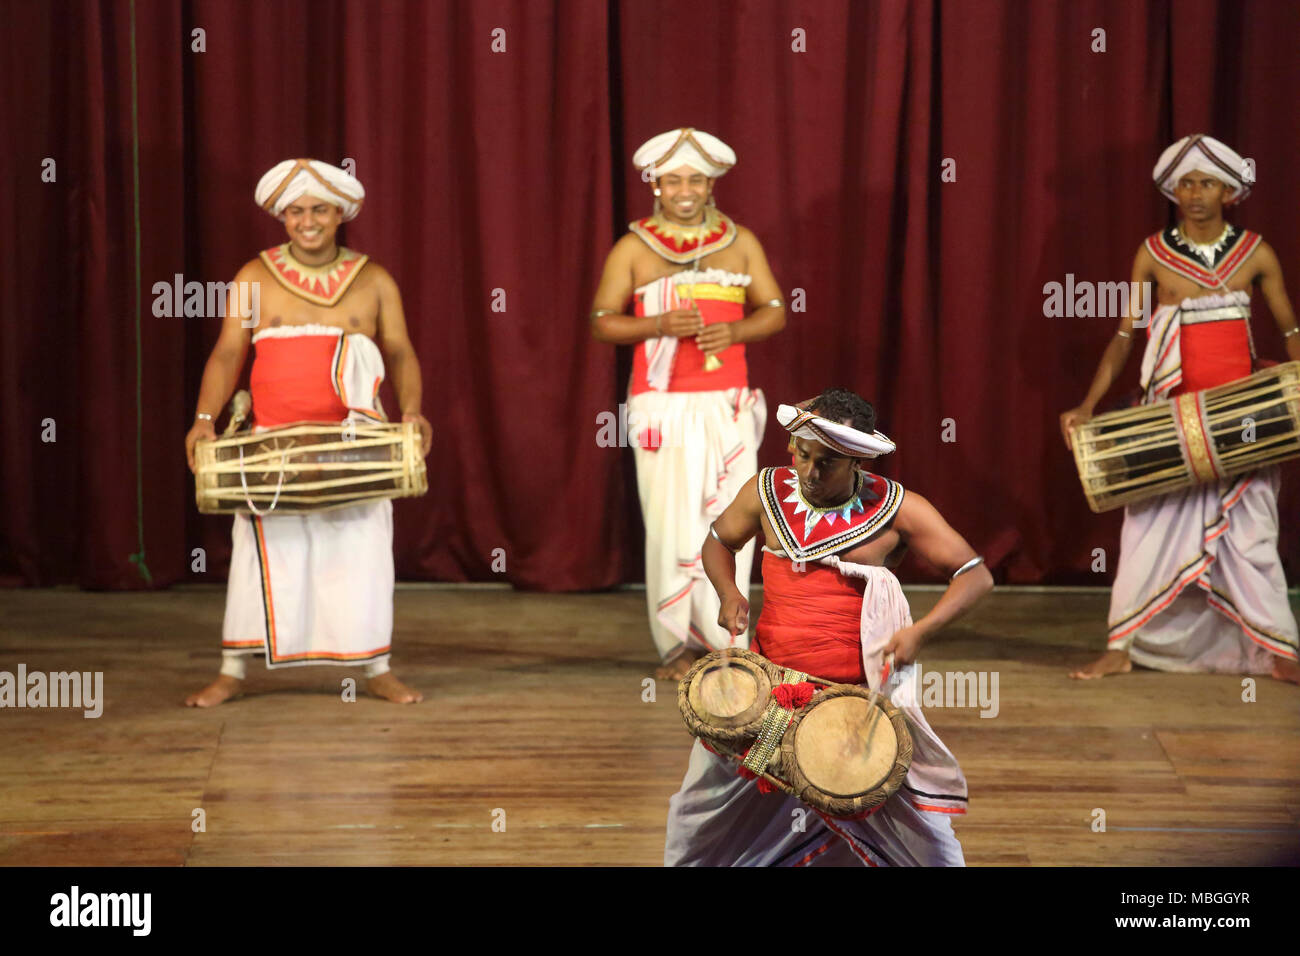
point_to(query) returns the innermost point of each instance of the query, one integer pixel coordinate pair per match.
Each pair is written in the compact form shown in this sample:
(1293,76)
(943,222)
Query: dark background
(512,170)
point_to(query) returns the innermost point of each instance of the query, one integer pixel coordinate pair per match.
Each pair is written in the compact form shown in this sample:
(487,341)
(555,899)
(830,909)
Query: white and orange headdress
(684,147)
(1203,154)
(844,439)
(295,178)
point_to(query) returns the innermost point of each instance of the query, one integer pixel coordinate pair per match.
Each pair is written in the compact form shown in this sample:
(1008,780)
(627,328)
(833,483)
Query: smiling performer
(694,422)
(1199,585)
(312,588)
(831,608)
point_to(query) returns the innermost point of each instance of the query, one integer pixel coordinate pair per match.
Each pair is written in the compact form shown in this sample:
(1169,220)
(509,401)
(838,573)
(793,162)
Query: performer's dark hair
(839,404)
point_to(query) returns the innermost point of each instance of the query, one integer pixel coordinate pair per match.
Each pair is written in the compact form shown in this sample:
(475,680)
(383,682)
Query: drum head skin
(729,692)
(845,746)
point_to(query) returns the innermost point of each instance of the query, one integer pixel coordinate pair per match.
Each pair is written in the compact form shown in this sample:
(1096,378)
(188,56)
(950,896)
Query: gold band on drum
(1194,438)
(309,467)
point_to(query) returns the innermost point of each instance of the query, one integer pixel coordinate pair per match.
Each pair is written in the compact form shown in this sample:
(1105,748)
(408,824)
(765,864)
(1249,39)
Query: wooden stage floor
(534,707)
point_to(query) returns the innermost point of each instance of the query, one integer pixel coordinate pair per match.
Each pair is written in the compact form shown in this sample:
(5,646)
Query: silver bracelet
(596,314)
(1124,335)
(776,302)
(1295,331)
(972,563)
(713,532)
(201,416)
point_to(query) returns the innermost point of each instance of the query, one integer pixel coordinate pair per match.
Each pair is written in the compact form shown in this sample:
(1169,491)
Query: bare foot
(218,692)
(390,688)
(676,668)
(1284,669)
(1112,662)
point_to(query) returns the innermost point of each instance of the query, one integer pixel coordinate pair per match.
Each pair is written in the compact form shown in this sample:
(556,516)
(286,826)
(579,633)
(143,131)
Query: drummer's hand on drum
(681,322)
(734,615)
(1072,419)
(202,430)
(904,645)
(426,431)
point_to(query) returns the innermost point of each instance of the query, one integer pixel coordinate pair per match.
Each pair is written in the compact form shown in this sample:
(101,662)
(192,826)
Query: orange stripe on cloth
(332,656)
(1223,604)
(816,853)
(340,362)
(811,620)
(927,807)
(268,606)
(1181,582)
(857,851)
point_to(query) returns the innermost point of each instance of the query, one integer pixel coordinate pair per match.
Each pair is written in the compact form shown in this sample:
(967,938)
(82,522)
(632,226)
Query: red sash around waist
(688,374)
(811,620)
(1213,353)
(291,380)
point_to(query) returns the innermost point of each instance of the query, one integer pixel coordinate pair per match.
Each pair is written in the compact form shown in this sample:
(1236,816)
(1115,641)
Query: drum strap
(243,481)
(776,719)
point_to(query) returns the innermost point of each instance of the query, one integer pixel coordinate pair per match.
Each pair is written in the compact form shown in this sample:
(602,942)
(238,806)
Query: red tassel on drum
(764,786)
(793,696)
(742,770)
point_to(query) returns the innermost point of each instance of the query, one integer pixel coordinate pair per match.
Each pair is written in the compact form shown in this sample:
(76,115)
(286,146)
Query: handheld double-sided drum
(838,748)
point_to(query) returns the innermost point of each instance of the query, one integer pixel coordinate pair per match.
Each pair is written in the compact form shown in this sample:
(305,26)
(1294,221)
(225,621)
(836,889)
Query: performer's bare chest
(357,311)
(1172,288)
(648,266)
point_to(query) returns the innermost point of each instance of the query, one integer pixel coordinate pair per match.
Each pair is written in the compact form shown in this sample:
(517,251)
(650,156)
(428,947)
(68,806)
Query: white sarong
(1222,539)
(718,818)
(317,588)
(709,450)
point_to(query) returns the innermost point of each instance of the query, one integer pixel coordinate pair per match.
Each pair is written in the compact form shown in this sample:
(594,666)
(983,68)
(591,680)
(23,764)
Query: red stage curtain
(511,171)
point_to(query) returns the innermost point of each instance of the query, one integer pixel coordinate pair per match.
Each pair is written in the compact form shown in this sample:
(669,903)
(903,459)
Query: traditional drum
(1197,438)
(838,748)
(309,467)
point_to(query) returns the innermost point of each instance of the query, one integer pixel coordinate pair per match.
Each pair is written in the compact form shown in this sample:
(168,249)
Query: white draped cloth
(1199,584)
(709,450)
(718,818)
(660,296)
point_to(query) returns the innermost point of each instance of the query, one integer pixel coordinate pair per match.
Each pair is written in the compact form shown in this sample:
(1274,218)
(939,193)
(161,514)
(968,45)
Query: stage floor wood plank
(534,715)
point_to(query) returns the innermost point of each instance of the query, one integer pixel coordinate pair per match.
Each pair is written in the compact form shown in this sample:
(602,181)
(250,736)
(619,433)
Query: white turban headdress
(684,147)
(295,178)
(841,438)
(1204,154)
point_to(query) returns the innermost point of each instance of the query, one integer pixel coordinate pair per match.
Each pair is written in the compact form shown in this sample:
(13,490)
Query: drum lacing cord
(244,482)
(776,719)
